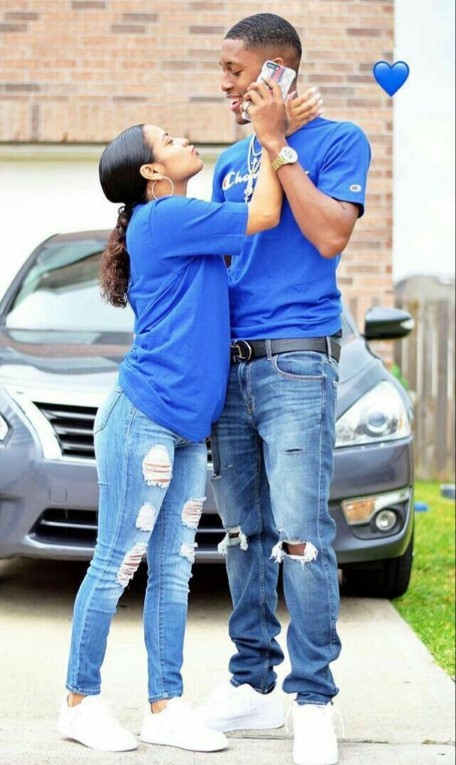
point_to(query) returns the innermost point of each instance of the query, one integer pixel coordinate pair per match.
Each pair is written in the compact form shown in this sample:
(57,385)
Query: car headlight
(3,428)
(379,415)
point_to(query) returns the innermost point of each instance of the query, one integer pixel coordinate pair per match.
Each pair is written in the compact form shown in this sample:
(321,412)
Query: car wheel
(383,579)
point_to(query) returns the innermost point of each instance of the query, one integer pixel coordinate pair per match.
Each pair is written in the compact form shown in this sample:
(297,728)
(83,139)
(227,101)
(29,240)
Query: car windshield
(61,292)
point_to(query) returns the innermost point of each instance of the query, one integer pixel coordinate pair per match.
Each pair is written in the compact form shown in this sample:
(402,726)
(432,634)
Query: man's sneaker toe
(240,707)
(315,741)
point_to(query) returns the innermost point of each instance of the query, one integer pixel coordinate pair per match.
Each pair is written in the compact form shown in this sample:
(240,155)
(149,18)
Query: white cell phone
(282,75)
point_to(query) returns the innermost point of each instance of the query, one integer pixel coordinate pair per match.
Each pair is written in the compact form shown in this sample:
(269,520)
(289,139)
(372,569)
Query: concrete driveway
(397,705)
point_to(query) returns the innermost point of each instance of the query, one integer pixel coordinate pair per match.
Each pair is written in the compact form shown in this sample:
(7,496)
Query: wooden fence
(426,359)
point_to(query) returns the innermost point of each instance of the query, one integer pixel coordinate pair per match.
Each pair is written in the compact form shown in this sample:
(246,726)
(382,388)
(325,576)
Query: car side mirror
(387,323)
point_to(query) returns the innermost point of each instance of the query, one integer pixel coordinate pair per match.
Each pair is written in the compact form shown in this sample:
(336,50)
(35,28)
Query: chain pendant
(253,166)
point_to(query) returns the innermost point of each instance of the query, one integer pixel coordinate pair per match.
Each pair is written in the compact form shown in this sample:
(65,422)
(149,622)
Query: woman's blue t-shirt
(177,369)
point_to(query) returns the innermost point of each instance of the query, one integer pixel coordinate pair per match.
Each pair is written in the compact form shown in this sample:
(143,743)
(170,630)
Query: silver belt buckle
(243,350)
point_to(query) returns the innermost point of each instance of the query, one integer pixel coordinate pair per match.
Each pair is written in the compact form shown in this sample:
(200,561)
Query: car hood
(87,362)
(79,361)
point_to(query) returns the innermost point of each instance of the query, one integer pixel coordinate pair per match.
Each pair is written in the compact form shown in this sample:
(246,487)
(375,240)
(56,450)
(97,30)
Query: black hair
(122,182)
(269,31)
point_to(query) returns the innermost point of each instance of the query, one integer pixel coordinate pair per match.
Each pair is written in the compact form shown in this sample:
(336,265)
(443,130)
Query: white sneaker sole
(328,761)
(248,722)
(164,741)
(86,741)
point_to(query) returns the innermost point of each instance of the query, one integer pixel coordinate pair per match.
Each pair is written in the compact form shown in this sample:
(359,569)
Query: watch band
(286,156)
(278,162)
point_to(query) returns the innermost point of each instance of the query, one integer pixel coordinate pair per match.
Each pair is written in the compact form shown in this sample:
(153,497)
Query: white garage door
(49,190)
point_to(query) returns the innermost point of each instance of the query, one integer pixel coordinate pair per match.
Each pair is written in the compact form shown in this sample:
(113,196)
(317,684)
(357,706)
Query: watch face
(289,154)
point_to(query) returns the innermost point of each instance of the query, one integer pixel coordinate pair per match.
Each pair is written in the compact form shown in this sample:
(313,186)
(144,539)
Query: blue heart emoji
(391,77)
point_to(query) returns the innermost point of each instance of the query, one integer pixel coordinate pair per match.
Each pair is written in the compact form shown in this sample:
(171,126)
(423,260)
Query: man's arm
(326,211)
(324,221)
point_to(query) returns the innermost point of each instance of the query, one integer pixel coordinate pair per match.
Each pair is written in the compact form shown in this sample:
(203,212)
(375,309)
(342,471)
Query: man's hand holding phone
(271,71)
(301,109)
(267,111)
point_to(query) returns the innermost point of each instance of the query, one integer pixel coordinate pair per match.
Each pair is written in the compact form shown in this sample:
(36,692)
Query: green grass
(428,605)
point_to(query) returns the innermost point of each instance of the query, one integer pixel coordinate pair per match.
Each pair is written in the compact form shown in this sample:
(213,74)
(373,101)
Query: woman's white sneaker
(240,707)
(315,741)
(179,725)
(92,724)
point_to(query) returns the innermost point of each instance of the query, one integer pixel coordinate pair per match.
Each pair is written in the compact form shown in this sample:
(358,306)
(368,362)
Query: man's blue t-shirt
(282,287)
(177,369)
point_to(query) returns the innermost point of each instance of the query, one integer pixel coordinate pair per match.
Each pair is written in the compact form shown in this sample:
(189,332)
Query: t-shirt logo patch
(355,187)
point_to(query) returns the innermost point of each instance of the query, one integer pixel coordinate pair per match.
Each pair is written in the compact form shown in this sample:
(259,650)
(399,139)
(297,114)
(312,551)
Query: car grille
(73,427)
(64,525)
(60,526)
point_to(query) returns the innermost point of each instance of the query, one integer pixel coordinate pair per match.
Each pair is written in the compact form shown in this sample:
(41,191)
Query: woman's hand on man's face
(303,109)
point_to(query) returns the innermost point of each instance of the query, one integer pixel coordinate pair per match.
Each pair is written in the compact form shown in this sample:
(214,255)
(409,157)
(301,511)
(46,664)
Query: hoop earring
(165,178)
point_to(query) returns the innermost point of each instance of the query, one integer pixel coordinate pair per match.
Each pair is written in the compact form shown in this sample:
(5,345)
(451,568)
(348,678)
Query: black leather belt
(247,350)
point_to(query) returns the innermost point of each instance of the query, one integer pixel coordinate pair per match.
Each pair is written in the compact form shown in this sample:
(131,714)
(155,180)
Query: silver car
(60,347)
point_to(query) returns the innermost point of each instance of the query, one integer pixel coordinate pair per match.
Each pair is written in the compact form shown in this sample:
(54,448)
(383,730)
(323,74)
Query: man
(273,446)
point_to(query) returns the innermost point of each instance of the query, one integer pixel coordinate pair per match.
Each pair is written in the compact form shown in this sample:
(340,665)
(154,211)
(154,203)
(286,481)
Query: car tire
(383,579)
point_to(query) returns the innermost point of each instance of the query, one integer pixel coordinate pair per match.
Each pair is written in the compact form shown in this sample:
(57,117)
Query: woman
(165,258)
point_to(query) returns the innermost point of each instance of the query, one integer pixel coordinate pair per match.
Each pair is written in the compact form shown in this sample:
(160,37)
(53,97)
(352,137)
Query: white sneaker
(315,741)
(92,724)
(179,725)
(241,707)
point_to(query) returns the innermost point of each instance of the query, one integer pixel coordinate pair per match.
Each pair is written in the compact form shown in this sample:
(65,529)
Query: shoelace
(188,717)
(183,710)
(105,712)
(222,693)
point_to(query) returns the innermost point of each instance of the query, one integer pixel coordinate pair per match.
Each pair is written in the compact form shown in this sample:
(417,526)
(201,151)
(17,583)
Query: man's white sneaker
(315,741)
(92,724)
(241,707)
(179,725)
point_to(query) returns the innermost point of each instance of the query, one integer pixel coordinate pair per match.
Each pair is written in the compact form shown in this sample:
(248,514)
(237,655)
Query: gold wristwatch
(286,156)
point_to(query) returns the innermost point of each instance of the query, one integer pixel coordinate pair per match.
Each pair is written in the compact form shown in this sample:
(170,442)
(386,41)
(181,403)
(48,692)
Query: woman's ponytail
(115,262)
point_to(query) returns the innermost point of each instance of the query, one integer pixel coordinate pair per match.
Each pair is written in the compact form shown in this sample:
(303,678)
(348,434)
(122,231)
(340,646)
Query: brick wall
(82,70)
